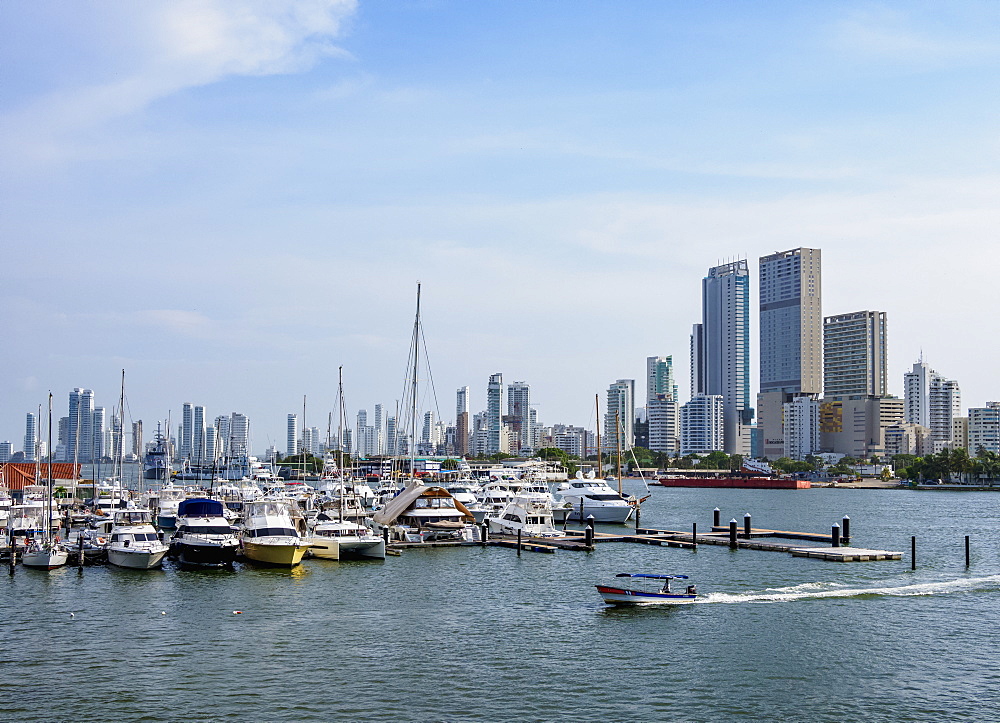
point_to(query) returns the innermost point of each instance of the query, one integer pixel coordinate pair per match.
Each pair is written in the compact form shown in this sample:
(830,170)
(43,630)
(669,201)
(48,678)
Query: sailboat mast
(413,391)
(618,438)
(597,423)
(340,432)
(48,504)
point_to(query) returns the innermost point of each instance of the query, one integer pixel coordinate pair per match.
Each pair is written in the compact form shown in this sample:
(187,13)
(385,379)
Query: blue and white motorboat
(658,593)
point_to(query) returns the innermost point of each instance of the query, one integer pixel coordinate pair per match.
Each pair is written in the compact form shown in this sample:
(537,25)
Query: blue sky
(231,199)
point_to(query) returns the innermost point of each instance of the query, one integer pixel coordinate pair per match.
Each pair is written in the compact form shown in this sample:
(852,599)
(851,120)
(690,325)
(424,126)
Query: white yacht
(45,554)
(334,540)
(424,514)
(529,513)
(272,533)
(204,534)
(593,497)
(168,499)
(134,542)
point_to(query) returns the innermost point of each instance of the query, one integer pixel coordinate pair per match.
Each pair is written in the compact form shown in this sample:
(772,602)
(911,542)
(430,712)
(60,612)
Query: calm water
(479,634)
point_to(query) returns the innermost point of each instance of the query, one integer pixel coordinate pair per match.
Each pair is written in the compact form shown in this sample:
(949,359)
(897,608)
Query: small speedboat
(649,592)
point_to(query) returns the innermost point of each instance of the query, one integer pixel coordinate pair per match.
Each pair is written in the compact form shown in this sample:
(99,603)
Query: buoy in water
(237,612)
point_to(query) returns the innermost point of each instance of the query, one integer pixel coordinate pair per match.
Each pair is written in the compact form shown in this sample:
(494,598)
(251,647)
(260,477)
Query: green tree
(449,463)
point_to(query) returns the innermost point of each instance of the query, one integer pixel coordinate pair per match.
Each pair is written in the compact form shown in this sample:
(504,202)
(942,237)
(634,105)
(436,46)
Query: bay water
(479,634)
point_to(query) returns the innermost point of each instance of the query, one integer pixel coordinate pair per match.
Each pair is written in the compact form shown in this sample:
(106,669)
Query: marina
(484,614)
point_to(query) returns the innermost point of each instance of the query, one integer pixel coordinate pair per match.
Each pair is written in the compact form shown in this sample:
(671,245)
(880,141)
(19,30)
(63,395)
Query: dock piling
(966,550)
(732,533)
(588,535)
(519,542)
(913,552)
(716,517)
(845,530)
(80,551)
(694,534)
(835,535)
(484,533)
(746,525)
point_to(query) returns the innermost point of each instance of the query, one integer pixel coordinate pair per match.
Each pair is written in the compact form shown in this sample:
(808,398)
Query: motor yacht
(339,539)
(594,497)
(272,533)
(134,542)
(529,513)
(205,536)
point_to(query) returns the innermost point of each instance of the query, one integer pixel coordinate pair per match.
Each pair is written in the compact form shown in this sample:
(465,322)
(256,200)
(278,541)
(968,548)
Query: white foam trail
(814,590)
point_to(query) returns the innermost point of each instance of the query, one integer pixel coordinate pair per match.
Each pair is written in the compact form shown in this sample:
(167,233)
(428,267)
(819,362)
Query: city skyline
(229,211)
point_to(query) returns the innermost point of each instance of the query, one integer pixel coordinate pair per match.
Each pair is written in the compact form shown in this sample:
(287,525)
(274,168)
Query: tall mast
(48,505)
(340,434)
(618,438)
(597,423)
(413,391)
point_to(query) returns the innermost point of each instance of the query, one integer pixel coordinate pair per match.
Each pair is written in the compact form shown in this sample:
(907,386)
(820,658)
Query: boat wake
(819,590)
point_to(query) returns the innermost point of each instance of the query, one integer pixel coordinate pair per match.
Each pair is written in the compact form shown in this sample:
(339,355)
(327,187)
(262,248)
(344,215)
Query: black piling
(694,534)
(637,510)
(913,552)
(79,559)
(385,535)
(519,542)
(484,533)
(746,525)
(588,533)
(716,517)
(13,553)
(966,550)
(845,530)
(732,533)
(835,535)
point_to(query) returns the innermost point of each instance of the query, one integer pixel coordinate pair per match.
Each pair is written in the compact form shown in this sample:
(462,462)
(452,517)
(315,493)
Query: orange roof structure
(15,475)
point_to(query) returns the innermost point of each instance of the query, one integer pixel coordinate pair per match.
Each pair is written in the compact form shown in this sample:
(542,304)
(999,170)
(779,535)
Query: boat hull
(205,555)
(624,596)
(136,559)
(753,483)
(44,559)
(285,555)
(609,514)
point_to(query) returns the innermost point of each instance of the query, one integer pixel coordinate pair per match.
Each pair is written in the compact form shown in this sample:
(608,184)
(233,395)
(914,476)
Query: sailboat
(44,552)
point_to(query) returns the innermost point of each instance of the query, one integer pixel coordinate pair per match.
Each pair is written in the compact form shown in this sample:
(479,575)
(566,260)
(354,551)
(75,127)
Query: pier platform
(846,554)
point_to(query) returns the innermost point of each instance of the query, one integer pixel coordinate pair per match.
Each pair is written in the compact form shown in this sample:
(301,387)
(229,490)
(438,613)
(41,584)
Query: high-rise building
(80,432)
(462,421)
(519,414)
(791,339)
(984,429)
(137,438)
(702,424)
(198,434)
(239,436)
(619,419)
(6,451)
(97,446)
(211,444)
(117,447)
(379,430)
(660,377)
(390,437)
(801,427)
(186,448)
(222,436)
(720,346)
(857,425)
(664,418)
(30,437)
(932,401)
(854,354)
(292,435)
(496,434)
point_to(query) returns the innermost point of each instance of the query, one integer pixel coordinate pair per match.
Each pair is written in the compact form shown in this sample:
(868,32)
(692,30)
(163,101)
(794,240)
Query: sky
(230,199)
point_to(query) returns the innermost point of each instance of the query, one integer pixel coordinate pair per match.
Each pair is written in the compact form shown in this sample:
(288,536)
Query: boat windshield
(272,532)
(208,529)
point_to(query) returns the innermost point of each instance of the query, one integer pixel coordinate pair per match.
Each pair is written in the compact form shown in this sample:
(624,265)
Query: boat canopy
(652,577)
(200,507)
(408,497)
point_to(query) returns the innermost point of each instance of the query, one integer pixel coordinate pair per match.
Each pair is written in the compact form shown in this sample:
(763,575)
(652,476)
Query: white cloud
(181,44)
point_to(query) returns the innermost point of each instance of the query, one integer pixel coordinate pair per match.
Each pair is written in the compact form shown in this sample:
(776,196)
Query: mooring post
(385,535)
(484,533)
(637,509)
(588,537)
(716,517)
(913,552)
(13,552)
(80,550)
(732,533)
(845,530)
(966,550)
(519,542)
(746,525)
(835,535)
(581,512)
(694,534)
